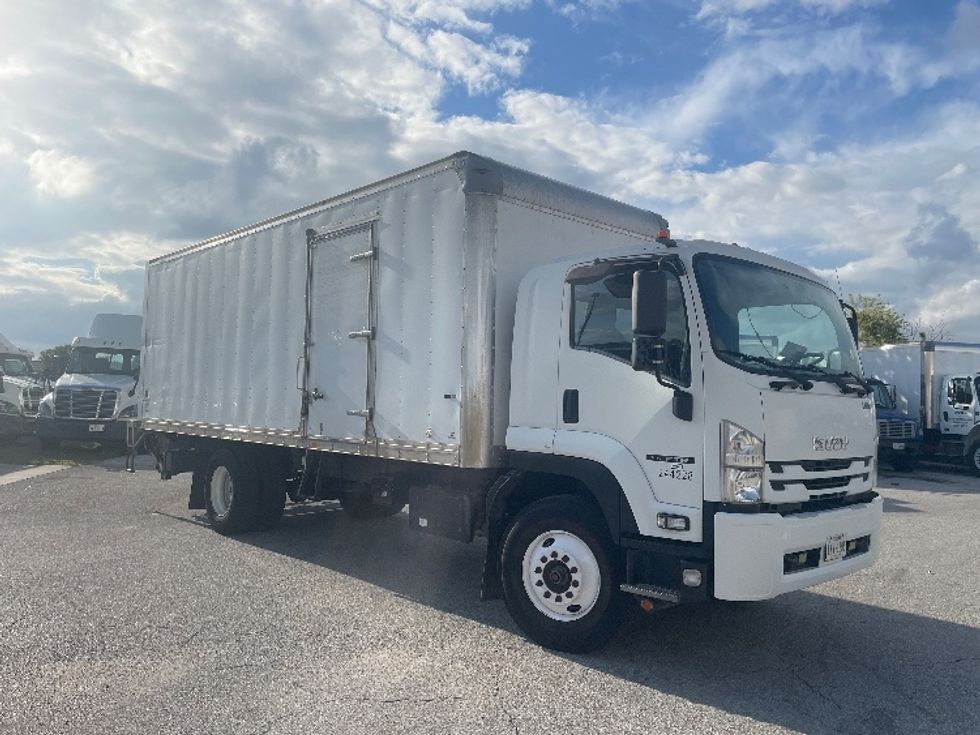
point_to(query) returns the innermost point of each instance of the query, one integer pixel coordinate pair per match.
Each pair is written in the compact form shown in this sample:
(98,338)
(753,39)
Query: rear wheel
(558,575)
(233,493)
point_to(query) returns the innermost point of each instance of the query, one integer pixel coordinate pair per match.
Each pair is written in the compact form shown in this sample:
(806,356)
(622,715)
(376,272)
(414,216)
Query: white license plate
(834,548)
(96,427)
(898,445)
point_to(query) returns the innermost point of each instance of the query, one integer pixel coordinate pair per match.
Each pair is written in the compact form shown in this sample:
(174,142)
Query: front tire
(973,458)
(558,574)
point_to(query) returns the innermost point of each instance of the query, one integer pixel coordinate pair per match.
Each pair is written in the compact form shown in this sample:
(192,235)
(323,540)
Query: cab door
(957,415)
(600,393)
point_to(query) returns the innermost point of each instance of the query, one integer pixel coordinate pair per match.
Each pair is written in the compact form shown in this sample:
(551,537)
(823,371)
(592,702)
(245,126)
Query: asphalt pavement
(122,612)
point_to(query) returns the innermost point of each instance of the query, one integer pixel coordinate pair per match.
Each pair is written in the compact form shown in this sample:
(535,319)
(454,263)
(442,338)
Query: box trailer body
(463,338)
(939,384)
(395,303)
(96,397)
(21,390)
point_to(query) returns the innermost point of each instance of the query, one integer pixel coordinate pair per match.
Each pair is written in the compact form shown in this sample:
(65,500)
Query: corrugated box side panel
(224,327)
(226,323)
(898,365)
(419,306)
(957,359)
(528,236)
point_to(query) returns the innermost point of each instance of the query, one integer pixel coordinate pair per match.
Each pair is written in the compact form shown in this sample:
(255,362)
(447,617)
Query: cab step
(664,594)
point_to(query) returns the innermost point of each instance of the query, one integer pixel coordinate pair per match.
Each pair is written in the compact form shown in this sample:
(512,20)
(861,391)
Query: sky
(840,134)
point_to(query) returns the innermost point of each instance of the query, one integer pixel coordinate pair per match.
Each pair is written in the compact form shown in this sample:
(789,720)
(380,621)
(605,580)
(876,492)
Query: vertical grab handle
(299,380)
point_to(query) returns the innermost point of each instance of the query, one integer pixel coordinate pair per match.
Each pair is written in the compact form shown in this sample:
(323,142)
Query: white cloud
(728,8)
(61,174)
(181,126)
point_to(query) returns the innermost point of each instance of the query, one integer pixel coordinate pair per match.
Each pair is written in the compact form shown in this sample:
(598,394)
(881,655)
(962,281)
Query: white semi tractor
(21,390)
(96,395)
(618,413)
(939,383)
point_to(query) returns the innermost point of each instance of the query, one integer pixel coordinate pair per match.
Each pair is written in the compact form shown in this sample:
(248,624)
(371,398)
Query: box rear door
(341,334)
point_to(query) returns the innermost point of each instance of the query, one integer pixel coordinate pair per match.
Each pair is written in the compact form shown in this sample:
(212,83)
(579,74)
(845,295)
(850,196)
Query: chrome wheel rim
(561,576)
(222,491)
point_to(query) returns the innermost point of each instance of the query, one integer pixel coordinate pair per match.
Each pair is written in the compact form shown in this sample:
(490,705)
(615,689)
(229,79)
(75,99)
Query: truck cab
(959,416)
(21,390)
(899,435)
(722,390)
(96,396)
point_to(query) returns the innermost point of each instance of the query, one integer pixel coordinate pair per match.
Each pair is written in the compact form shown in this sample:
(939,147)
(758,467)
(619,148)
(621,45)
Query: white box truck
(618,413)
(21,390)
(96,396)
(939,383)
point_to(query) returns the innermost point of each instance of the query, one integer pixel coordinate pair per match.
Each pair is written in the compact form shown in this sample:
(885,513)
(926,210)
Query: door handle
(569,406)
(316,395)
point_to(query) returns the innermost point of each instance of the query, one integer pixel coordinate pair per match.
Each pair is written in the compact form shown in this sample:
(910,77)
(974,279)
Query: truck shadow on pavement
(807,661)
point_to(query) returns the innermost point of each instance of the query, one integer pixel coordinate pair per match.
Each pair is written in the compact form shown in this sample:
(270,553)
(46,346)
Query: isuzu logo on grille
(830,443)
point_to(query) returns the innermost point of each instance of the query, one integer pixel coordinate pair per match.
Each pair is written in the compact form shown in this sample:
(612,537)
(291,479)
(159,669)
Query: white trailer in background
(518,358)
(938,382)
(95,397)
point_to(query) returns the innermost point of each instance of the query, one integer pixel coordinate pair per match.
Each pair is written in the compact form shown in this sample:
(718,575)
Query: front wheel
(558,575)
(973,458)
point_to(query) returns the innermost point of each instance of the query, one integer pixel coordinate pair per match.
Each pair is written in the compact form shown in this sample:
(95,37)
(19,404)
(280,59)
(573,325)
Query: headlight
(742,461)
(128,413)
(8,407)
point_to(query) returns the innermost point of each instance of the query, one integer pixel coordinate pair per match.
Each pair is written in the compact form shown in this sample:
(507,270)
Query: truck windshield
(883,398)
(765,320)
(101,361)
(15,365)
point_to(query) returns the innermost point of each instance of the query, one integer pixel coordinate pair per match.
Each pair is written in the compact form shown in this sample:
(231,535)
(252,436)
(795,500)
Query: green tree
(54,360)
(879,323)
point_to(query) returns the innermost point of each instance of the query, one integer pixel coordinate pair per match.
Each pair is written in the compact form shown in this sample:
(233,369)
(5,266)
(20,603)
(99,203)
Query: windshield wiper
(786,371)
(847,381)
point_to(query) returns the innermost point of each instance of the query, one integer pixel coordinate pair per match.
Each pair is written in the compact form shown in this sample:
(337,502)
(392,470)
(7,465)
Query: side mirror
(851,316)
(892,394)
(649,319)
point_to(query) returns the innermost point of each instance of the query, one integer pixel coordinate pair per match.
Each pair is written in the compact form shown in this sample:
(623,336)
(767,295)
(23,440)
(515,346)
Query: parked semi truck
(899,435)
(96,394)
(21,390)
(939,382)
(618,413)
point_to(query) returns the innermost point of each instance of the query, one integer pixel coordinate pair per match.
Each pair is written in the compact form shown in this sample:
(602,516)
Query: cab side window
(959,391)
(602,322)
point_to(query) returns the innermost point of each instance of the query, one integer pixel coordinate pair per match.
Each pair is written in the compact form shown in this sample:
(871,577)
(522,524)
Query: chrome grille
(31,398)
(896,429)
(85,403)
(826,480)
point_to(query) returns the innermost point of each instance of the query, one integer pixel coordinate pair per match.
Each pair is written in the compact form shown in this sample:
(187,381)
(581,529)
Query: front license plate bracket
(834,548)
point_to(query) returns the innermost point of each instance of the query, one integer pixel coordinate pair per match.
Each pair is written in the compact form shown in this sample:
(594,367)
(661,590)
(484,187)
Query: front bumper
(892,447)
(750,548)
(80,430)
